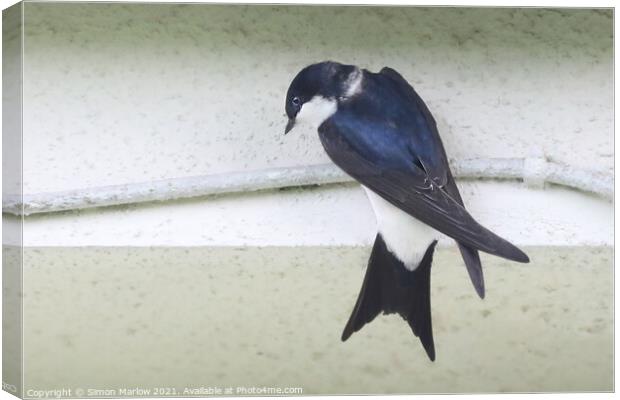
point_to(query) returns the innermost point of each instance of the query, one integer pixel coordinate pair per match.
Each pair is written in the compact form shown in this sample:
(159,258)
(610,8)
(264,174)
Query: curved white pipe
(534,172)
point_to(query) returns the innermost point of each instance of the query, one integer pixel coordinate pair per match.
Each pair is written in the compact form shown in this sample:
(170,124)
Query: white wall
(122,93)
(119,93)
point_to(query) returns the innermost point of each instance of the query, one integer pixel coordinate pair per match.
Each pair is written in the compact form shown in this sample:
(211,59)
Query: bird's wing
(470,255)
(400,181)
(426,141)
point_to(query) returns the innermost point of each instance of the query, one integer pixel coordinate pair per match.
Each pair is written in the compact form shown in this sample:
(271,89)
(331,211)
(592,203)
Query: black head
(324,81)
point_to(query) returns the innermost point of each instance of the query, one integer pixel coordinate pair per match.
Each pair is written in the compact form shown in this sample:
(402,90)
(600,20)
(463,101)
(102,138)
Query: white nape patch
(316,111)
(406,237)
(353,84)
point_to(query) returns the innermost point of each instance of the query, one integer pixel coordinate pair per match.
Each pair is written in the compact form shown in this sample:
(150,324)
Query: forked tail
(391,288)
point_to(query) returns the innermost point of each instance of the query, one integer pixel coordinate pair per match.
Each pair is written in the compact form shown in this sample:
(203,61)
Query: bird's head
(314,94)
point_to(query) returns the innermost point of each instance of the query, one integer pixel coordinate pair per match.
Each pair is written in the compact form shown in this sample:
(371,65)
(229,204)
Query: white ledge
(534,172)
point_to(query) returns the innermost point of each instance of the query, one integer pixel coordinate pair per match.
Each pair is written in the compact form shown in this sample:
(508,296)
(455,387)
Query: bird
(378,130)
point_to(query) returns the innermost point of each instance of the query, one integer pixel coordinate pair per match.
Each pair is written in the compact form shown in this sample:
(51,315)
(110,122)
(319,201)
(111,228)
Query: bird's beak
(289,125)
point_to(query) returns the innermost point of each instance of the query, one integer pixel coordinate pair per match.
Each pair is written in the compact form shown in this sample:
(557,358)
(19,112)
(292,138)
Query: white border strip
(534,172)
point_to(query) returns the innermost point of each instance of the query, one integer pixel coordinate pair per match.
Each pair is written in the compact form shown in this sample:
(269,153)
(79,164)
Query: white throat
(316,111)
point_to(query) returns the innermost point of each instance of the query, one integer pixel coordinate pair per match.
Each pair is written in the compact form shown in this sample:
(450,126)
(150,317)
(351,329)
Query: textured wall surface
(11,100)
(118,93)
(152,317)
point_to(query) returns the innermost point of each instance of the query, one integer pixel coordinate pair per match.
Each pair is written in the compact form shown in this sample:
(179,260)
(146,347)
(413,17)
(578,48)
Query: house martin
(378,130)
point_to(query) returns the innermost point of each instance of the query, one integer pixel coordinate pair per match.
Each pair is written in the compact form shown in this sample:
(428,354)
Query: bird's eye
(296,102)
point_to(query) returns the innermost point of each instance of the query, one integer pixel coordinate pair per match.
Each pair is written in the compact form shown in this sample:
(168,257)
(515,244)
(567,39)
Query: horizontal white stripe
(187,187)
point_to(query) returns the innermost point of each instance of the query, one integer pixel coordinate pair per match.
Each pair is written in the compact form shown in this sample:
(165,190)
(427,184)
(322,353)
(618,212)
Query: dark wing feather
(427,143)
(470,256)
(407,187)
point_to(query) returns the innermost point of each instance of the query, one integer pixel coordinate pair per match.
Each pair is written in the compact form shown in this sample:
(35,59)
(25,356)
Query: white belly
(406,237)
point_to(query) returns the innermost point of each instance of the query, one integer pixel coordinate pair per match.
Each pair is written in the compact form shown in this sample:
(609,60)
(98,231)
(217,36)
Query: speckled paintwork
(117,93)
(11,100)
(145,317)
